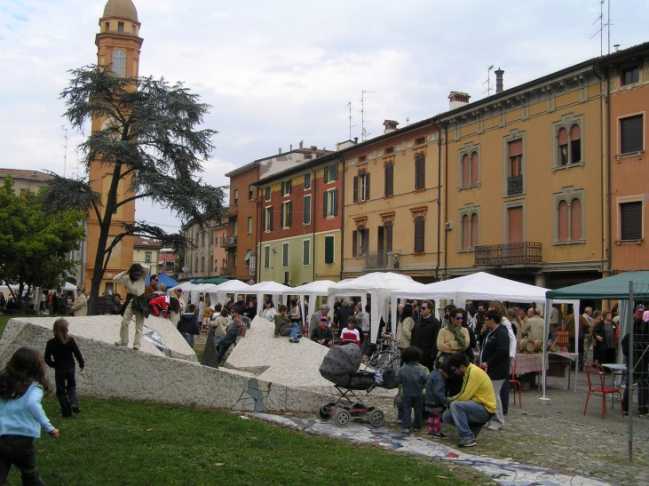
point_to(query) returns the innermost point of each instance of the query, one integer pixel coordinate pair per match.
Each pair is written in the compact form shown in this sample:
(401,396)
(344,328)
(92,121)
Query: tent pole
(546,326)
(629,371)
(576,309)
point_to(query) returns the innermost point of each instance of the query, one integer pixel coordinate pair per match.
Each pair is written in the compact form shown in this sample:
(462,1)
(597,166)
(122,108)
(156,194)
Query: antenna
(488,82)
(349,116)
(364,132)
(608,25)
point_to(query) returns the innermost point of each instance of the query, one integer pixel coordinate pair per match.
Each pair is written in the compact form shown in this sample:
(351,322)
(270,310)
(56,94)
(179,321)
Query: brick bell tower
(118,49)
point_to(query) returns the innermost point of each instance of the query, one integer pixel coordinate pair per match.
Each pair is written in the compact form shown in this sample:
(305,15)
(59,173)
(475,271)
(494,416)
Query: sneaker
(136,348)
(494,427)
(438,435)
(76,410)
(468,443)
(405,431)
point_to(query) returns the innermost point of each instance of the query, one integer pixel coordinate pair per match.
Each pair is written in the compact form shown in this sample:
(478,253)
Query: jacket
(405,332)
(189,324)
(134,288)
(60,356)
(424,336)
(436,390)
(80,305)
(24,415)
(477,387)
(446,342)
(495,353)
(412,377)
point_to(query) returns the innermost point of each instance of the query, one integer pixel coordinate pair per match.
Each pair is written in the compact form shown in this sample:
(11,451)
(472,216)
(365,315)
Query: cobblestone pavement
(501,471)
(555,434)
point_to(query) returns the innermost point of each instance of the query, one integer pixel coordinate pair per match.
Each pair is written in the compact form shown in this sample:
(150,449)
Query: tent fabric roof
(376,281)
(477,286)
(319,287)
(232,287)
(268,287)
(613,287)
(209,280)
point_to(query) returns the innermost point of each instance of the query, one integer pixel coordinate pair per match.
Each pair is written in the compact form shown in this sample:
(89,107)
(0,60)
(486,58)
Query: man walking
(494,359)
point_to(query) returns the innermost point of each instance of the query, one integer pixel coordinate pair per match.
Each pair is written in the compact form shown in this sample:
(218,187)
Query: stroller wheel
(376,418)
(342,417)
(325,411)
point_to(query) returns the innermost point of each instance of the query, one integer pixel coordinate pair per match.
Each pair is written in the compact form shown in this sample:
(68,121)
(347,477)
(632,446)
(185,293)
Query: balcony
(514,185)
(228,242)
(382,261)
(525,253)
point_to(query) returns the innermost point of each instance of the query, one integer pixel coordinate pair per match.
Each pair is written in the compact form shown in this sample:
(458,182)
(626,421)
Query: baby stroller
(340,366)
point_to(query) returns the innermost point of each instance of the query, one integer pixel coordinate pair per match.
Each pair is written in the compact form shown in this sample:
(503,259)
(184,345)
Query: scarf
(457,334)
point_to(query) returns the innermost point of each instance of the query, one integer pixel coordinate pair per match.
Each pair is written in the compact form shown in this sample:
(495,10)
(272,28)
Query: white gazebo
(232,287)
(313,290)
(276,290)
(378,285)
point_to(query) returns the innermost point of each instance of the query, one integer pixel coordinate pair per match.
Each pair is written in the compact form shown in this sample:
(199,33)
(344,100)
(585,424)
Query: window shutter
(420,171)
(631,220)
(270,226)
(334,202)
(563,221)
(329,249)
(419,234)
(355,188)
(263,219)
(575,220)
(354,243)
(334,172)
(324,204)
(388,237)
(366,240)
(367,187)
(289,216)
(466,232)
(475,169)
(474,230)
(631,134)
(389,180)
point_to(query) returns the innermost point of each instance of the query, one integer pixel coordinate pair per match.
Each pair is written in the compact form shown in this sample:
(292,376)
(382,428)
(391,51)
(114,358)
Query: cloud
(279,72)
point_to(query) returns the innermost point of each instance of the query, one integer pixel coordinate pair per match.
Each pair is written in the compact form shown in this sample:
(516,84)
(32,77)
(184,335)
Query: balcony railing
(228,242)
(382,261)
(523,253)
(514,185)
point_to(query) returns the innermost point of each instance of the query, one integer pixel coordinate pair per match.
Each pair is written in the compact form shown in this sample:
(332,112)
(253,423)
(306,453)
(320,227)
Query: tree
(35,240)
(150,139)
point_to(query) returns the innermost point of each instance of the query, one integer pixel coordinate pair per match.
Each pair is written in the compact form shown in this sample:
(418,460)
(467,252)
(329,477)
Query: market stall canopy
(375,281)
(232,287)
(268,288)
(319,287)
(209,280)
(614,287)
(477,286)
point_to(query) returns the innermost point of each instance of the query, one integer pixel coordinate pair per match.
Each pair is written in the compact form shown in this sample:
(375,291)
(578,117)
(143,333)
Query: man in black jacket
(494,359)
(424,335)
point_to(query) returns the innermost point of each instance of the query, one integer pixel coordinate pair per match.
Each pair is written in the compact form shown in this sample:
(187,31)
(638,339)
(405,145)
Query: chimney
(499,80)
(301,144)
(390,126)
(290,148)
(279,151)
(457,99)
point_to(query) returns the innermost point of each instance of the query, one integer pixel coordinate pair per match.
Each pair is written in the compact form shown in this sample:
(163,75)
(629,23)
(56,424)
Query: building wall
(139,256)
(629,173)
(240,211)
(401,208)
(544,182)
(323,270)
(298,272)
(219,253)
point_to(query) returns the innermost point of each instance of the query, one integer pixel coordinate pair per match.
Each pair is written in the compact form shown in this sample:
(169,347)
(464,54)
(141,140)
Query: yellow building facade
(118,49)
(391,203)
(525,178)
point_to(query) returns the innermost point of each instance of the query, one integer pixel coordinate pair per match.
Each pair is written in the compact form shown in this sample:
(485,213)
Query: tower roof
(122,9)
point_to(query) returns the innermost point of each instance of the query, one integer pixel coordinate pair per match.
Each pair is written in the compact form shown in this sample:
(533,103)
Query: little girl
(60,353)
(22,384)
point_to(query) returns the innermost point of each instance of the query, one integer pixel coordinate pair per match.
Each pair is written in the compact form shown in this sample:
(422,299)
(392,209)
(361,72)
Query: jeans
(498,420)
(408,405)
(17,450)
(189,338)
(66,390)
(296,332)
(139,326)
(465,416)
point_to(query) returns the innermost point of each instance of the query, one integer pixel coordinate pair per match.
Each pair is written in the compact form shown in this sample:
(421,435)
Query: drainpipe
(342,216)
(314,213)
(609,189)
(605,130)
(445,199)
(439,201)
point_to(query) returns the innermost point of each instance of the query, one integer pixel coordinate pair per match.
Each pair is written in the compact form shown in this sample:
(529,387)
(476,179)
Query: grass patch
(3,322)
(128,443)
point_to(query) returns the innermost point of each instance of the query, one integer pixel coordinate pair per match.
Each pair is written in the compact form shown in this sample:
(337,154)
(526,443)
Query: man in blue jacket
(494,359)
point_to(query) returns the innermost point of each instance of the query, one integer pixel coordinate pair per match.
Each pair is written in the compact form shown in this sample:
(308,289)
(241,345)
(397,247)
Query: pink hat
(645,316)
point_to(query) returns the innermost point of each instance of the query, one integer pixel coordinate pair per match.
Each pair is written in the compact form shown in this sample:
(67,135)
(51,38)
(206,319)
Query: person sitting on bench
(474,405)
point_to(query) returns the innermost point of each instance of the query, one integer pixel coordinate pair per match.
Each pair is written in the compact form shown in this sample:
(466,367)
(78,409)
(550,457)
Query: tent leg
(546,326)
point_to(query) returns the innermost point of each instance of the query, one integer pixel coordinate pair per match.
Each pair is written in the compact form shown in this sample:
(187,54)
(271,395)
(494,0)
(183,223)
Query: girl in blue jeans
(22,385)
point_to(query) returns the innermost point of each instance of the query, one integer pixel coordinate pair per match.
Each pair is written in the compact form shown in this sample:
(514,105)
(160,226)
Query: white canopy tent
(275,290)
(220,292)
(313,290)
(378,285)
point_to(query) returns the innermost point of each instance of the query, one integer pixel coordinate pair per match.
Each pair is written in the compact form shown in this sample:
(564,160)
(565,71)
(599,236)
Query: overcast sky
(277,72)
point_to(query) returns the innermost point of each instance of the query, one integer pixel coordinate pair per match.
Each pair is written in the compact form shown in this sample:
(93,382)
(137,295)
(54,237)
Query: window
(564,215)
(285,254)
(120,26)
(202,264)
(268,219)
(235,196)
(389,150)
(266,256)
(420,171)
(330,203)
(420,238)
(420,141)
(389,179)
(631,221)
(562,138)
(475,228)
(251,192)
(329,250)
(267,193)
(147,257)
(307,181)
(287,214)
(469,169)
(106,26)
(515,224)
(470,226)
(630,75)
(631,136)
(249,225)
(361,186)
(575,144)
(575,220)
(307,210)
(119,62)
(286,188)
(568,145)
(360,242)
(515,167)
(306,257)
(330,173)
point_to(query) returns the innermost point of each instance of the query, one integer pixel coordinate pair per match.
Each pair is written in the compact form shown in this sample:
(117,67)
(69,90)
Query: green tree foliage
(150,135)
(35,241)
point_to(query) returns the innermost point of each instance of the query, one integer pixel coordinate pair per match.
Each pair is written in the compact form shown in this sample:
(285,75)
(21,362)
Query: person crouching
(412,377)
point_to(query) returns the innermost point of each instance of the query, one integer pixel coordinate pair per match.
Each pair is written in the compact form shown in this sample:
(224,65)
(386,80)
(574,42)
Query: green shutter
(329,249)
